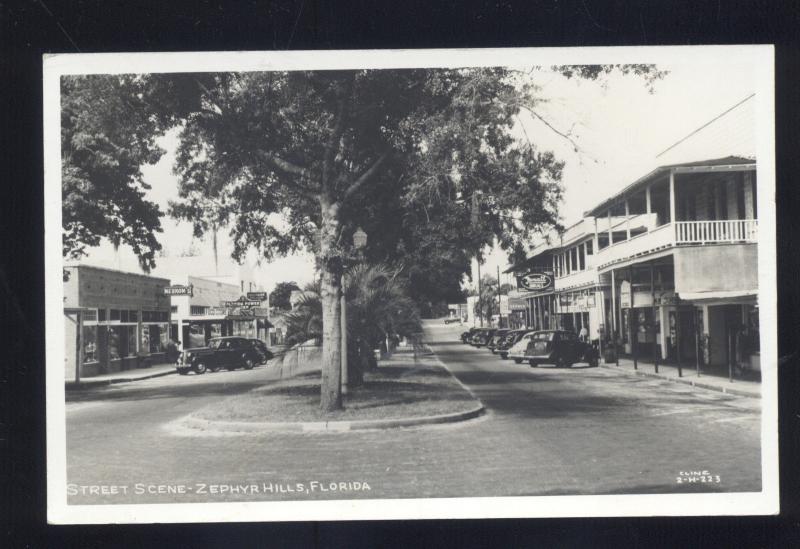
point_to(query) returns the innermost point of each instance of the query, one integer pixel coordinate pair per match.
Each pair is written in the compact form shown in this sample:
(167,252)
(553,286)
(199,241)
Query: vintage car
(495,340)
(265,355)
(510,339)
(559,347)
(482,337)
(516,351)
(466,337)
(222,352)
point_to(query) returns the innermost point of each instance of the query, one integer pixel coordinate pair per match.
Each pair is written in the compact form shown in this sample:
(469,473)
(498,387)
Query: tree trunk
(331,289)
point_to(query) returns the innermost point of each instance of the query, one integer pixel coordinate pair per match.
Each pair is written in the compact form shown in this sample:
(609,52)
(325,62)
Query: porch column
(647,200)
(79,343)
(627,220)
(614,316)
(672,212)
(653,304)
(631,329)
(610,236)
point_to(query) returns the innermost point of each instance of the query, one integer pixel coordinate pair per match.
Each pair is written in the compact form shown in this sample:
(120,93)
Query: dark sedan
(482,337)
(495,340)
(264,354)
(466,337)
(559,347)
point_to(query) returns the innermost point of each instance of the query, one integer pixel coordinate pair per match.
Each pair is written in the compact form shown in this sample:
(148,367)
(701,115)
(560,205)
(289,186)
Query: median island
(401,387)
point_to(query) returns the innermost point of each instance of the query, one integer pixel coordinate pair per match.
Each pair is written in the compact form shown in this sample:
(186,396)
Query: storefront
(203,309)
(123,320)
(579,309)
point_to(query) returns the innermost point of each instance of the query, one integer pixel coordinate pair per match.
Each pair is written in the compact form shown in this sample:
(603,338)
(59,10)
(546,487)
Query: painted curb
(328,426)
(684,381)
(71,385)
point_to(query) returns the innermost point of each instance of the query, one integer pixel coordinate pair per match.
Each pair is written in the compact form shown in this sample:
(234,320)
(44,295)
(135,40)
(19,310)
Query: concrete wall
(722,267)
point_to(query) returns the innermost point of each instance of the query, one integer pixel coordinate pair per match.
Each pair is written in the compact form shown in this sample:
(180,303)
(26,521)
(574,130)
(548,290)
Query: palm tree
(378,306)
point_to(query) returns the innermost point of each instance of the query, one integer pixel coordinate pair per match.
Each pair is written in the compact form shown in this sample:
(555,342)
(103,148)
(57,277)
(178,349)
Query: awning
(717,295)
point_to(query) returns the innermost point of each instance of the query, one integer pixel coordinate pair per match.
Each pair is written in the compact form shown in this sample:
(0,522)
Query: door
(226,354)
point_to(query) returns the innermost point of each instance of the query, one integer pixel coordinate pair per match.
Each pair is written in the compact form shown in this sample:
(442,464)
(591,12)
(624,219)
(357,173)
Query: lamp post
(359,242)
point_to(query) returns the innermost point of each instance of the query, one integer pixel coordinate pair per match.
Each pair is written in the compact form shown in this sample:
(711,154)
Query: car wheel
(248,363)
(561,363)
(594,361)
(532,363)
(183,371)
(518,361)
(199,368)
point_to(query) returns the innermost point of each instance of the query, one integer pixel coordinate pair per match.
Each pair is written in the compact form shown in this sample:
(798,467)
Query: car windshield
(543,336)
(214,343)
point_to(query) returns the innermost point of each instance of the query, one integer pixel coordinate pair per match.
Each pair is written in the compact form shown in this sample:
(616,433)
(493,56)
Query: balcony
(680,233)
(716,232)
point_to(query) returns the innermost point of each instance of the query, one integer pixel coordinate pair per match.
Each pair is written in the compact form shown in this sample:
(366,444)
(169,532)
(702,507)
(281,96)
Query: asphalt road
(548,431)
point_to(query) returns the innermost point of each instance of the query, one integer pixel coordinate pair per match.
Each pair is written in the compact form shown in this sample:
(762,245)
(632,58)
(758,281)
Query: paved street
(547,431)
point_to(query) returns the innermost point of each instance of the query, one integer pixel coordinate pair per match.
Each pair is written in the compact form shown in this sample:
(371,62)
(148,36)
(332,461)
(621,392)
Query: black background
(29,29)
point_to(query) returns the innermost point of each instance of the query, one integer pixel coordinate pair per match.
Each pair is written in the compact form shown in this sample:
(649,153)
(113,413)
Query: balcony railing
(702,232)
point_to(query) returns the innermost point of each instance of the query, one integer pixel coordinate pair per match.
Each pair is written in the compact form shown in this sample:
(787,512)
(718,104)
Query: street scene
(546,432)
(357,284)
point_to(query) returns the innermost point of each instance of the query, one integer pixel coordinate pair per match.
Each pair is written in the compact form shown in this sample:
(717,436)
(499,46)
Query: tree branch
(292,169)
(336,135)
(366,176)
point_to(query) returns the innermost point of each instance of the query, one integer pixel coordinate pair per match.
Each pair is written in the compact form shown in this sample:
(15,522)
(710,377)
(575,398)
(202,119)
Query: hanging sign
(179,290)
(257,296)
(535,281)
(243,302)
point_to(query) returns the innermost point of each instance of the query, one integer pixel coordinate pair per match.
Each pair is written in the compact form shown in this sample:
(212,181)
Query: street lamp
(359,242)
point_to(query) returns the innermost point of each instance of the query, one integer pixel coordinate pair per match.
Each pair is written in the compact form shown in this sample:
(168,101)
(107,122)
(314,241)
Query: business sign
(179,290)
(517,304)
(216,311)
(625,295)
(535,281)
(257,296)
(243,302)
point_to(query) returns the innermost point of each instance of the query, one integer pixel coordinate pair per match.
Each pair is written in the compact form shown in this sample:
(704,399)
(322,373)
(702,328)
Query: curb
(328,426)
(683,380)
(71,385)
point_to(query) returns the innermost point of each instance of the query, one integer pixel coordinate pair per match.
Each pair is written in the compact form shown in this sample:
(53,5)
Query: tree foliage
(279,298)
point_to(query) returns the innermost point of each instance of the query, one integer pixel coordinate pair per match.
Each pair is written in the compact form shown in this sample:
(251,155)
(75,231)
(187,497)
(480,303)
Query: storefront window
(157,335)
(90,343)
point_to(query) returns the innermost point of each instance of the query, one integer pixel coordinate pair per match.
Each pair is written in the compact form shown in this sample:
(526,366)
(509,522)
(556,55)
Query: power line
(706,124)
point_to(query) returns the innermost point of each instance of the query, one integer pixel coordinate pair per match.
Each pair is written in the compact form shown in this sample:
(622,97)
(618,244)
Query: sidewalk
(136,374)
(706,381)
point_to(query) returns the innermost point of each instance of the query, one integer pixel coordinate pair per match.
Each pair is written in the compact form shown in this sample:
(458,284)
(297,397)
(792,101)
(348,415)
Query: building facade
(113,320)
(665,270)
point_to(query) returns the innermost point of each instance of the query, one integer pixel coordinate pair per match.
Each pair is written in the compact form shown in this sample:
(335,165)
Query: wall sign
(179,290)
(535,281)
(257,296)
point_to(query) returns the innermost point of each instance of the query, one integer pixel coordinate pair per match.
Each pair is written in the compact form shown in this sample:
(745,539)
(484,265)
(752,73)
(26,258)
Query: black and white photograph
(410,284)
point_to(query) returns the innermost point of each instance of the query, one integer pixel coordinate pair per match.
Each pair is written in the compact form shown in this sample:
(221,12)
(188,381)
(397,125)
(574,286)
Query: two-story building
(678,250)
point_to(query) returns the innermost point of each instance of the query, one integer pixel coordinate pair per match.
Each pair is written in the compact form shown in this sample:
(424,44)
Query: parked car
(264,353)
(482,337)
(221,352)
(516,351)
(510,339)
(559,347)
(466,337)
(496,338)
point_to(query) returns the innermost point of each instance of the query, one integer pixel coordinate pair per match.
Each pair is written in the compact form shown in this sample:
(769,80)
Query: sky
(619,127)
